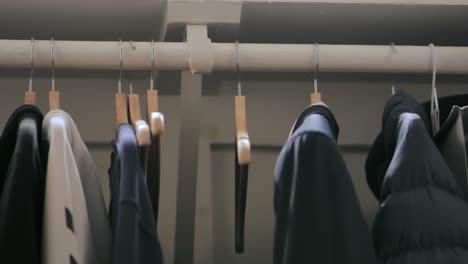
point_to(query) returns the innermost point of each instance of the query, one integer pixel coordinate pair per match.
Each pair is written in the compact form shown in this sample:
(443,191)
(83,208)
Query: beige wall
(273,104)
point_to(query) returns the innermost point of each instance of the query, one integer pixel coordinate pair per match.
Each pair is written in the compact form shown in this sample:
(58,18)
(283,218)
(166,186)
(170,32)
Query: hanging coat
(75,225)
(22,178)
(134,238)
(423,217)
(318,217)
(451,139)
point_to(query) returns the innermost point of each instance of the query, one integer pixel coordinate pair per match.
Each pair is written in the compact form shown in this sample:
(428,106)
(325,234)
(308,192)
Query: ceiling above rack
(379,22)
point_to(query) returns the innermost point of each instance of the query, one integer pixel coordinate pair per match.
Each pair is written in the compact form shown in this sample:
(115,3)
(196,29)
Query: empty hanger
(434,99)
(242,161)
(315,97)
(30,96)
(121,108)
(54,96)
(142,130)
(154,118)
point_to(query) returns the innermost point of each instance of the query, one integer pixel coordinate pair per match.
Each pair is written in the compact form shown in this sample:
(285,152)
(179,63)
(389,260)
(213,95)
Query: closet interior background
(273,100)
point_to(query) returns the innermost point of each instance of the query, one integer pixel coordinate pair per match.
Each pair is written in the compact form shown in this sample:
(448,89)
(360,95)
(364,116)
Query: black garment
(153,174)
(241,183)
(422,217)
(22,179)
(134,238)
(318,216)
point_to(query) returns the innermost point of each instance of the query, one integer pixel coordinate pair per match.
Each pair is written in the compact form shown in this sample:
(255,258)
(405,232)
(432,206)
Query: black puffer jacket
(422,217)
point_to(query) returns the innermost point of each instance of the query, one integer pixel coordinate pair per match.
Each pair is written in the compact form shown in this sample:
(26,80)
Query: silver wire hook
(32,65)
(317,67)
(131,87)
(52,57)
(395,51)
(119,87)
(394,48)
(434,101)
(434,65)
(152,66)
(239,86)
(434,98)
(132,45)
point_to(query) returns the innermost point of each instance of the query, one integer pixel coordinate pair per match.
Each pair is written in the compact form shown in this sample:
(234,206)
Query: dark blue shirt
(134,237)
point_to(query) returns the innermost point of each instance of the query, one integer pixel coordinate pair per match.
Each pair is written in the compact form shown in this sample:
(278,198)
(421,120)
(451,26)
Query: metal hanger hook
(239,87)
(434,100)
(52,62)
(32,65)
(152,66)
(132,45)
(394,48)
(434,64)
(119,87)
(395,51)
(317,67)
(131,87)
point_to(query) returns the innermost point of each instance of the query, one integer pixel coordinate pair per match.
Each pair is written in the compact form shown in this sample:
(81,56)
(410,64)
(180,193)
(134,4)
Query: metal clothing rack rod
(104,55)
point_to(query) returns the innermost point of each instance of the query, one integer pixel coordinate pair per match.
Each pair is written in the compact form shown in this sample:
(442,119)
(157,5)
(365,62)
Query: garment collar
(321,109)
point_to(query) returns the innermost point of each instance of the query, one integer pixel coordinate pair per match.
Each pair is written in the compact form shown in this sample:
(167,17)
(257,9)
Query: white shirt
(67,234)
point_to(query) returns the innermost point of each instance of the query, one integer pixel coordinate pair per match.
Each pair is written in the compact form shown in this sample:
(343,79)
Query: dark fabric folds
(134,238)
(423,217)
(318,216)
(22,179)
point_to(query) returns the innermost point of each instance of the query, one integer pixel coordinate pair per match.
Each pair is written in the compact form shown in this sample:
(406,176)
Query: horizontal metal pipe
(104,55)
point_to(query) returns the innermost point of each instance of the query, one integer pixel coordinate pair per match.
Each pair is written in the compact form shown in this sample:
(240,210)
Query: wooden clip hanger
(242,161)
(155,120)
(242,136)
(142,130)
(54,100)
(30,98)
(121,109)
(315,98)
(54,96)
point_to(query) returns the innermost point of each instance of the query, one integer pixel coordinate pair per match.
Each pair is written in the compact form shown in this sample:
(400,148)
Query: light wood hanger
(316,97)
(121,106)
(30,96)
(242,136)
(121,109)
(154,118)
(242,161)
(142,130)
(54,96)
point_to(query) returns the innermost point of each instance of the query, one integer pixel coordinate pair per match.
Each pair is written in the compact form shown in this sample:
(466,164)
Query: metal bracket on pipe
(200,48)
